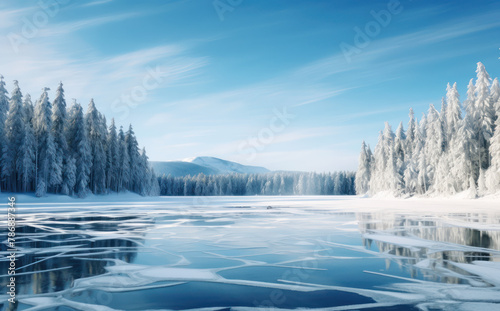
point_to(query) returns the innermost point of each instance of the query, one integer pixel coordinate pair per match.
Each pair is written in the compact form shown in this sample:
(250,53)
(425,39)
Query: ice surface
(488,271)
(436,253)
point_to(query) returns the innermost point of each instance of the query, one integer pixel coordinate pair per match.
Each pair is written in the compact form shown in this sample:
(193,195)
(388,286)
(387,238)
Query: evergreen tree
(399,154)
(26,167)
(484,115)
(454,111)
(46,176)
(79,148)
(133,155)
(69,178)
(481,183)
(493,173)
(463,150)
(445,153)
(97,139)
(495,98)
(470,105)
(434,142)
(58,132)
(472,189)
(422,183)
(14,136)
(444,123)
(45,149)
(379,165)
(410,134)
(364,171)
(144,174)
(124,162)
(154,185)
(112,164)
(4,107)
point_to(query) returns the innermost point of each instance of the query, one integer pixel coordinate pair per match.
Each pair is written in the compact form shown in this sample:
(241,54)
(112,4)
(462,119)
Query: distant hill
(205,165)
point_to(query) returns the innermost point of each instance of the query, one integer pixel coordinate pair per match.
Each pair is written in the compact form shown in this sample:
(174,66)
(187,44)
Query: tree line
(276,183)
(47,147)
(449,151)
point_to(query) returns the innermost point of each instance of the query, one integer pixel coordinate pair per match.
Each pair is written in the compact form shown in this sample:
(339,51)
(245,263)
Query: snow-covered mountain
(205,165)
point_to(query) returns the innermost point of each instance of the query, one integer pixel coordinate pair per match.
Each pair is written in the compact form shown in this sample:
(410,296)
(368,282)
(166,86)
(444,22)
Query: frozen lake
(248,253)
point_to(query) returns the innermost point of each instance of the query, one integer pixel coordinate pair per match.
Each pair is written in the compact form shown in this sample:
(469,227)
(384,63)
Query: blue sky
(202,79)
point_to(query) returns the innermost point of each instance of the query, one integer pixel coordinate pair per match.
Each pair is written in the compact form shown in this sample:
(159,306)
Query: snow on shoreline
(383,202)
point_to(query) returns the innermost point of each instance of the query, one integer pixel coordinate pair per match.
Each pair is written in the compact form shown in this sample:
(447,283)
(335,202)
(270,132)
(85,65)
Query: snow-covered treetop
(445,152)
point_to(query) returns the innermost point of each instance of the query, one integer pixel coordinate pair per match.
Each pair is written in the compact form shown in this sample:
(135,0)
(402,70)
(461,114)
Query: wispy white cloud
(386,54)
(68,28)
(323,96)
(295,135)
(94,3)
(10,18)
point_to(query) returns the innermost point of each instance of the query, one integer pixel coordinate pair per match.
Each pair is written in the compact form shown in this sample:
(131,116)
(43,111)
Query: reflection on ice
(50,251)
(236,253)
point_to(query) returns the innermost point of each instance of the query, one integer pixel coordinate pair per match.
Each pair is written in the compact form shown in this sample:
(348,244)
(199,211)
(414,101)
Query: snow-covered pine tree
(364,171)
(301,185)
(450,121)
(144,174)
(444,182)
(470,102)
(378,167)
(434,142)
(97,140)
(463,148)
(444,123)
(58,132)
(447,153)
(28,110)
(249,187)
(40,188)
(493,173)
(112,169)
(453,112)
(45,144)
(400,157)
(423,127)
(38,144)
(79,149)
(472,125)
(276,184)
(4,107)
(472,192)
(495,98)
(69,177)
(484,115)
(410,135)
(423,181)
(154,189)
(123,162)
(411,177)
(133,154)
(392,180)
(14,134)
(312,185)
(26,167)
(481,183)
